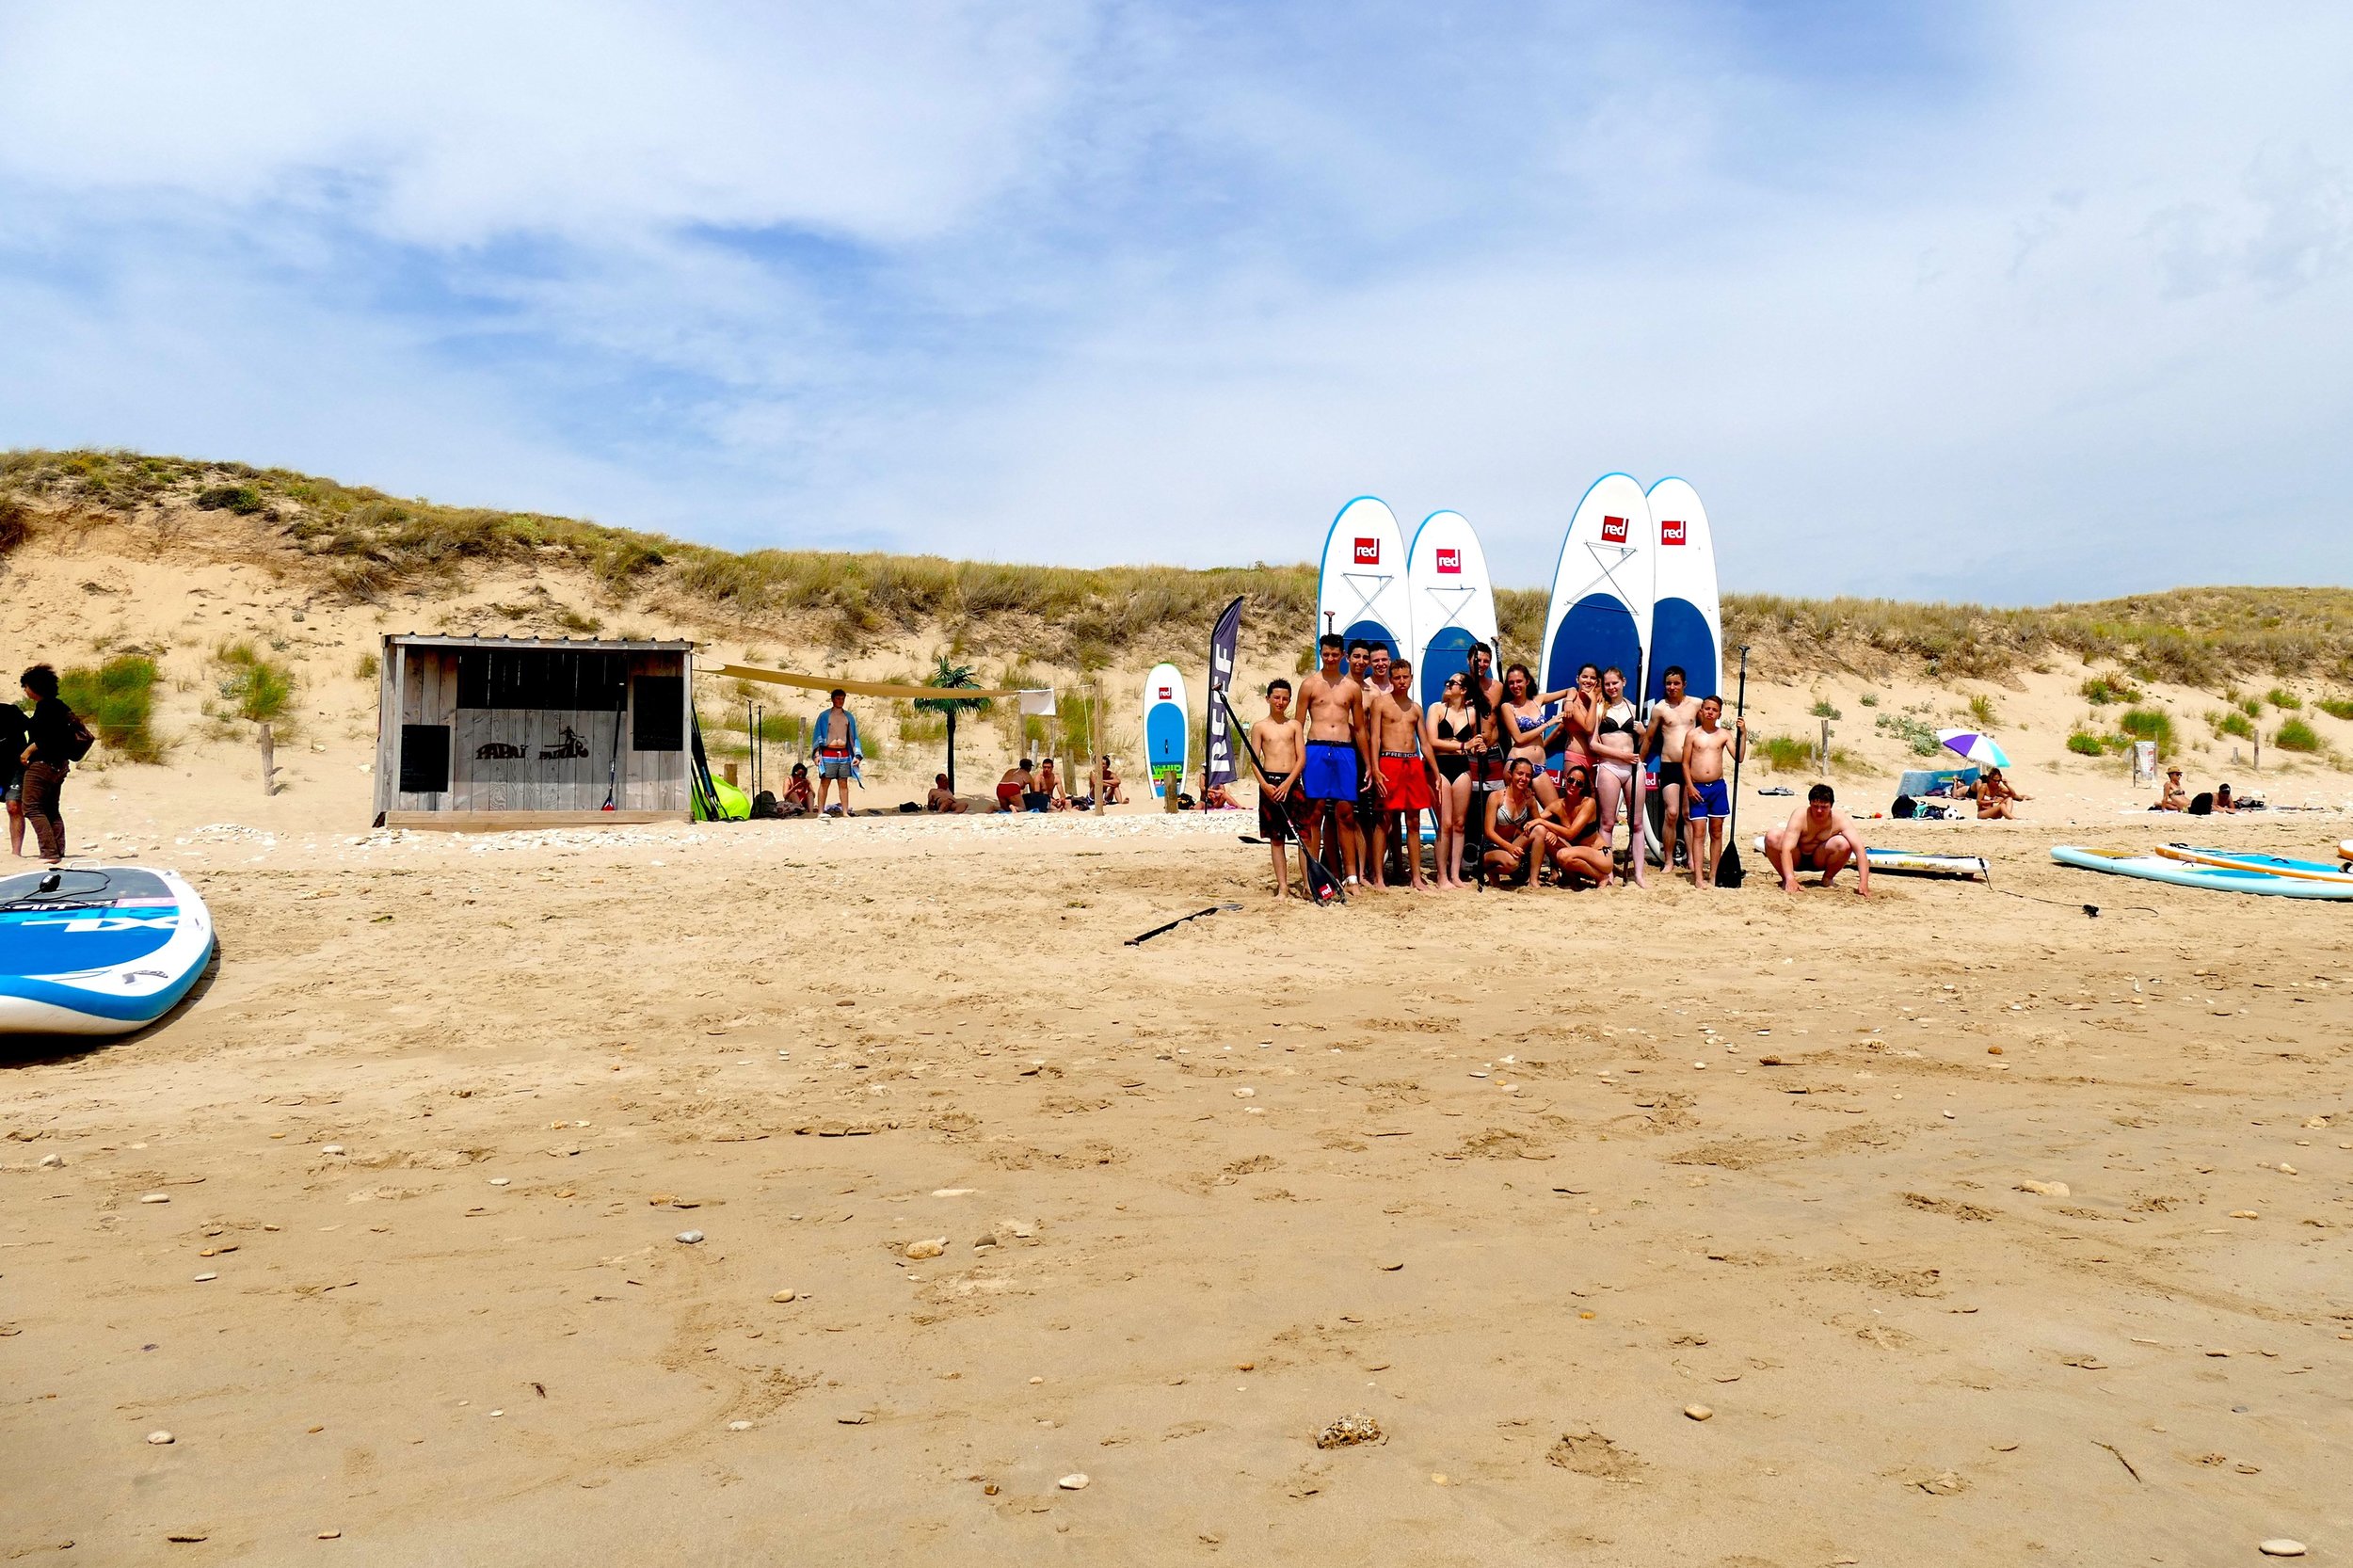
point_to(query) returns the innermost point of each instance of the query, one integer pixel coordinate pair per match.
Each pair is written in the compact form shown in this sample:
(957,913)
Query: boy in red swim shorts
(1402,777)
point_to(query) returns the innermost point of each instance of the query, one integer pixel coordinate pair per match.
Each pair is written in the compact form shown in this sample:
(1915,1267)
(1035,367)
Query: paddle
(1728,870)
(1322,886)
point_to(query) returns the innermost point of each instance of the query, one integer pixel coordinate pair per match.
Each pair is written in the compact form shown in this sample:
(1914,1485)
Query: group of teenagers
(1536,780)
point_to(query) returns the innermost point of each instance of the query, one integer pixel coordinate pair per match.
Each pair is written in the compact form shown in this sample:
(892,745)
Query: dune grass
(118,701)
(252,686)
(366,544)
(2297,736)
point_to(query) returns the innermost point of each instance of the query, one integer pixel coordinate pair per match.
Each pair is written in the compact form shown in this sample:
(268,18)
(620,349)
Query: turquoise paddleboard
(97,949)
(2227,879)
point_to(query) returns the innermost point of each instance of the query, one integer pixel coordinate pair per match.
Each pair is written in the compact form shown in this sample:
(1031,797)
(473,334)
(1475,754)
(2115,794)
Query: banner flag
(1219,768)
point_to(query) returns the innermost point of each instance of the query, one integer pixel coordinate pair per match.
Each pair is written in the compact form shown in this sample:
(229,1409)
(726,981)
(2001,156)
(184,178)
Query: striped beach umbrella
(1984,750)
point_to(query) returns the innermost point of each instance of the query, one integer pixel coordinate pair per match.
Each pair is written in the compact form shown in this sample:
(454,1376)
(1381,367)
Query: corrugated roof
(579,645)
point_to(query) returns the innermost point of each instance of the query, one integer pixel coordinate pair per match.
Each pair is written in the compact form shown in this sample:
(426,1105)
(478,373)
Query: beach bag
(763,806)
(1905,807)
(78,740)
(2202,804)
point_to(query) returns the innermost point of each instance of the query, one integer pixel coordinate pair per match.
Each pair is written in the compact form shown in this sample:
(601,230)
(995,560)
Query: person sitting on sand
(1018,781)
(1218,797)
(1049,790)
(1818,837)
(1515,839)
(2175,798)
(2222,801)
(1995,797)
(796,801)
(941,797)
(1112,796)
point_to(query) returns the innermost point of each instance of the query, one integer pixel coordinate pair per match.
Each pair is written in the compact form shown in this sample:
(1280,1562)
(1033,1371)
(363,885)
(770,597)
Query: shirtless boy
(1402,779)
(1671,720)
(1332,760)
(1818,837)
(1274,740)
(1708,802)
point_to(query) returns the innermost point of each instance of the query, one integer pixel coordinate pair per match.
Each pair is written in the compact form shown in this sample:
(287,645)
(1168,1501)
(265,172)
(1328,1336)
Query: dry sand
(1520,1176)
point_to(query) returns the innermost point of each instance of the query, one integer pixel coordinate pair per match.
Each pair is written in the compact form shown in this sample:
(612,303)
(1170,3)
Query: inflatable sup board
(1453,601)
(2156,868)
(1601,590)
(1907,862)
(1687,618)
(2247,860)
(2344,849)
(1362,590)
(1167,727)
(97,949)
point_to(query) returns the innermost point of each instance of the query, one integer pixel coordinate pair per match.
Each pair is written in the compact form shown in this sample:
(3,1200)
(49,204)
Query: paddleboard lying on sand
(97,949)
(1600,612)
(1687,618)
(2344,849)
(1906,862)
(1167,729)
(1454,604)
(1361,592)
(2156,868)
(2247,860)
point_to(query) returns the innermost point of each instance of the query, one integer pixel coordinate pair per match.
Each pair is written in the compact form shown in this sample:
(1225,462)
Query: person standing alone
(55,738)
(838,749)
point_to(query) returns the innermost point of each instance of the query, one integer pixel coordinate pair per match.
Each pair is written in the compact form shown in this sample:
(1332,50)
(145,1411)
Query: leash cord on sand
(2091,910)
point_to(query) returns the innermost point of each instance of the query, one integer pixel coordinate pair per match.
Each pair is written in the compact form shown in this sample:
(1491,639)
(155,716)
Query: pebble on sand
(51,1161)
(202,1278)
(785,1296)
(1698,1412)
(330,1535)
(155,1197)
(690,1237)
(1350,1429)
(2282,1546)
(739,1426)
(332,1148)
(2045,1189)
(1077,1482)
(917,1251)
(159,1438)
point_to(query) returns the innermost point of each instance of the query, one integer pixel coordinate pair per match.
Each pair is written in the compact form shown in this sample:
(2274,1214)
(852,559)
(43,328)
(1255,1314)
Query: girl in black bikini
(1454,729)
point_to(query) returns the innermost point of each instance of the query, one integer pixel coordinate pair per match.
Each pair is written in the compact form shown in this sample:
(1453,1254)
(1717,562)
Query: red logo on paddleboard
(1613,530)
(1670,533)
(1367,552)
(1451,562)
(1168,694)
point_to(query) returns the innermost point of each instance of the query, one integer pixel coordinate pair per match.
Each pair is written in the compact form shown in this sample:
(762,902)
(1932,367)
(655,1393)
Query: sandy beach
(1530,1180)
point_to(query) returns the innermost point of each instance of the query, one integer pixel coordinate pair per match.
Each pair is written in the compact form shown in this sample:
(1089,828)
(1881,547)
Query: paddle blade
(1728,870)
(1321,884)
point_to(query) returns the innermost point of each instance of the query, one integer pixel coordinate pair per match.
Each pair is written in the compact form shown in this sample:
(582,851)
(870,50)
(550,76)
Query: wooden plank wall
(534,760)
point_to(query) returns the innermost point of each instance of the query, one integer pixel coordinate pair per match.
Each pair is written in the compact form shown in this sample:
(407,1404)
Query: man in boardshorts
(837,750)
(1333,761)
(1275,745)
(1400,780)
(1818,837)
(1707,800)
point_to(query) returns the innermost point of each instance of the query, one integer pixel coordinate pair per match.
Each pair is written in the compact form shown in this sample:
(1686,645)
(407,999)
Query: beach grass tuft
(118,701)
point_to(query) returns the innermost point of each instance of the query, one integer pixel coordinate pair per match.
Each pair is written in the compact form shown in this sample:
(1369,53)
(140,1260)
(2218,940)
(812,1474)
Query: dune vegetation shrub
(2230,721)
(252,685)
(118,701)
(1869,699)
(2148,724)
(2296,735)
(1786,752)
(2101,690)
(2084,743)
(1982,713)
(2336,707)
(1822,710)
(16,525)
(2283,699)
(1912,728)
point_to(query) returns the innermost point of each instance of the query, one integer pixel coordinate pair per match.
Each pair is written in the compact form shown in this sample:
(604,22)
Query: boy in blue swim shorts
(1334,758)
(1708,803)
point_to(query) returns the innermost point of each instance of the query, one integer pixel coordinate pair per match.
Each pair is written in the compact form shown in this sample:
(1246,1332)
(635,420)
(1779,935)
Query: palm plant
(945,674)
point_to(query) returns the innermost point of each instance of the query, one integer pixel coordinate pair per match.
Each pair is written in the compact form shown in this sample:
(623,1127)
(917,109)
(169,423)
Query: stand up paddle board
(1167,729)
(2156,868)
(1601,590)
(1687,616)
(1453,600)
(2247,860)
(1361,591)
(1907,862)
(97,949)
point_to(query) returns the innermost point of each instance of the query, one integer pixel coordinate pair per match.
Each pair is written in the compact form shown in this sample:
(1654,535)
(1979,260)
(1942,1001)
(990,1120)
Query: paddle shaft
(1259,768)
(1739,746)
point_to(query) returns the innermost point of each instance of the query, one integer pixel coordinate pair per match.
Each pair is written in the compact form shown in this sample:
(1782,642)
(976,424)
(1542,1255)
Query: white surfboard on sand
(1362,590)
(1686,615)
(1601,590)
(1454,602)
(1167,729)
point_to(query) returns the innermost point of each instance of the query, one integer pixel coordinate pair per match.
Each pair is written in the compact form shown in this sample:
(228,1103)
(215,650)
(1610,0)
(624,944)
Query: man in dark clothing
(13,739)
(48,752)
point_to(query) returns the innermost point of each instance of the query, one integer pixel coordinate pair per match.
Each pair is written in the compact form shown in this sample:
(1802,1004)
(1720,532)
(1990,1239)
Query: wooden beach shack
(480,733)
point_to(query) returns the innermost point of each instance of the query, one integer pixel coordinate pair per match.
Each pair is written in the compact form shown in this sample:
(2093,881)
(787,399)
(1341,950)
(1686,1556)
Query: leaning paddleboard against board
(1361,590)
(97,949)
(1167,727)
(1686,615)
(1453,600)
(2156,868)
(1601,590)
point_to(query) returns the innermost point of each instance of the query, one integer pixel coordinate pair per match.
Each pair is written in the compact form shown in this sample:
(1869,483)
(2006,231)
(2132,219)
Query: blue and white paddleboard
(2157,867)
(1167,727)
(97,949)
(1362,590)
(1687,616)
(1453,600)
(1601,590)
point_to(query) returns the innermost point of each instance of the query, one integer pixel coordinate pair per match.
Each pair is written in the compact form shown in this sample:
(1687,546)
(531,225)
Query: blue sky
(2007,302)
